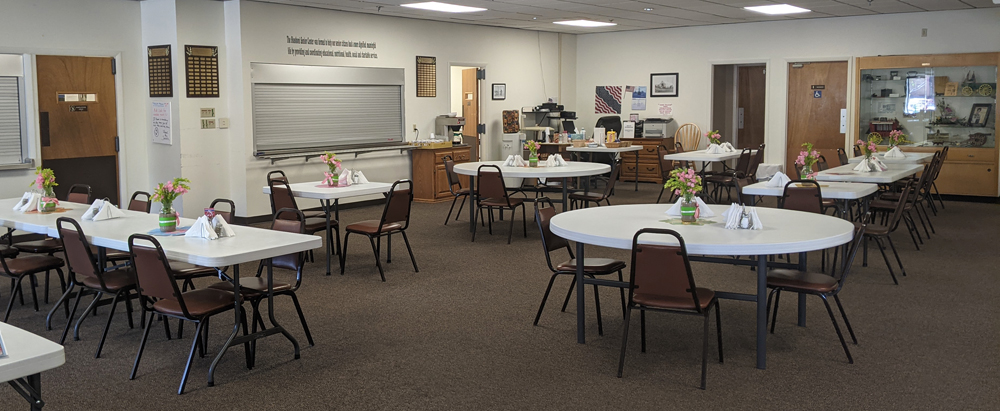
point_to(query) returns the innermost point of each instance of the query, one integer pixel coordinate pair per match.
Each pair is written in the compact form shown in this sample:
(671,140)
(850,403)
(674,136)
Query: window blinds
(10,121)
(289,118)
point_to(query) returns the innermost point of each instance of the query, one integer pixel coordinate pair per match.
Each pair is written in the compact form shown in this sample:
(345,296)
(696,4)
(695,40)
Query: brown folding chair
(187,272)
(725,179)
(27,266)
(455,187)
(279,175)
(596,197)
(591,266)
(79,193)
(492,193)
(140,202)
(666,166)
(87,278)
(395,220)
(879,232)
(842,156)
(281,197)
(802,195)
(758,158)
(662,281)
(159,295)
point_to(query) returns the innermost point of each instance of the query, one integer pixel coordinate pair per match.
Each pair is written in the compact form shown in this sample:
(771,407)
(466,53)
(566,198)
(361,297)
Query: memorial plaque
(161,73)
(202,65)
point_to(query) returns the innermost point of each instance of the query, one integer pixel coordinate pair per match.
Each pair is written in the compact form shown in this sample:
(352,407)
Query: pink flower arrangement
(45,179)
(532,147)
(684,182)
(896,137)
(869,148)
(331,161)
(166,193)
(807,157)
(714,137)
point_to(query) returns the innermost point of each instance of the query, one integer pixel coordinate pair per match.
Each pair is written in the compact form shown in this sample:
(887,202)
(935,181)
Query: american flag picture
(608,100)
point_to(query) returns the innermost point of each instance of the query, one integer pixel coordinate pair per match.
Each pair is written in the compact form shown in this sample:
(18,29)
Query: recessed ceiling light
(443,7)
(585,23)
(778,9)
(648,9)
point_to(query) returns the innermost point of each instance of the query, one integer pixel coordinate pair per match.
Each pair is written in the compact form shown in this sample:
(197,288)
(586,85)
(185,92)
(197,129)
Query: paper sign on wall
(639,98)
(666,109)
(161,123)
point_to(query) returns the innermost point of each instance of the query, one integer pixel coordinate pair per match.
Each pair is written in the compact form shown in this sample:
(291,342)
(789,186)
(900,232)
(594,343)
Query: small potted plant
(714,137)
(45,180)
(807,157)
(331,177)
(685,183)
(165,194)
(532,147)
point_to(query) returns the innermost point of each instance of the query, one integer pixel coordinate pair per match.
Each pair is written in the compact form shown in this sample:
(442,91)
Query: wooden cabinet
(430,180)
(966,171)
(649,162)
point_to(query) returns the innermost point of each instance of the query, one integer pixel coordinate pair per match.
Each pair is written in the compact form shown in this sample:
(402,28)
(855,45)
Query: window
(12,123)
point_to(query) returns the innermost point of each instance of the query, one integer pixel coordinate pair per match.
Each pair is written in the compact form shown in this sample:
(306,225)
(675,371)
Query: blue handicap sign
(817,93)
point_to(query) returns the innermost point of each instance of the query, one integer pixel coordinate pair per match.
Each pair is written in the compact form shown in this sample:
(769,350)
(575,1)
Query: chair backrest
(924,182)
(798,170)
(296,224)
(679,148)
(859,235)
(937,161)
(689,135)
(140,202)
(740,183)
(904,198)
(857,150)
(79,193)
(821,163)
(662,270)
(79,256)
(842,155)
(802,195)
(277,175)
(610,123)
(154,278)
(758,158)
(666,166)
(397,205)
(491,183)
(281,197)
(743,163)
(226,215)
(616,171)
(550,242)
(449,171)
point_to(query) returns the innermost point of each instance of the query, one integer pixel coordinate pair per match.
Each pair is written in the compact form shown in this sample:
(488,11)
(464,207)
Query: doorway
(817,92)
(465,102)
(739,103)
(78,122)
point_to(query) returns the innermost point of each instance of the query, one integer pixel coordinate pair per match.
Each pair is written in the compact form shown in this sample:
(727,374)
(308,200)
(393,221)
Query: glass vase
(688,208)
(168,220)
(48,202)
(533,160)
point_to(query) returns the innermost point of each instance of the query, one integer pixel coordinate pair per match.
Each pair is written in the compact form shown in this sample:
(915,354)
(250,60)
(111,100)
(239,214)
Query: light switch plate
(843,120)
(223,122)
(207,113)
(207,123)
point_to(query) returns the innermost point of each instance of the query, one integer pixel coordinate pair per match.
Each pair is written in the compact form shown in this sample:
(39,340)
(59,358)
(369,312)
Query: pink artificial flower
(169,186)
(40,182)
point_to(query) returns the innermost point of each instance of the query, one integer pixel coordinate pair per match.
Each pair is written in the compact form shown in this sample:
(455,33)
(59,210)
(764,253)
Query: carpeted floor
(458,335)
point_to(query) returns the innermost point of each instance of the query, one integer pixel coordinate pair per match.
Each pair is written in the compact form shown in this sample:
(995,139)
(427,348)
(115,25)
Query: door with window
(817,92)
(78,122)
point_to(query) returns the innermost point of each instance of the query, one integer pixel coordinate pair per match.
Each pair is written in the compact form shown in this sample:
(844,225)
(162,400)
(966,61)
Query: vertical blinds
(10,121)
(290,118)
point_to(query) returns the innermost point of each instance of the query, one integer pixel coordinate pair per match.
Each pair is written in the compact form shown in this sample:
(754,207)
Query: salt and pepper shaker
(354,177)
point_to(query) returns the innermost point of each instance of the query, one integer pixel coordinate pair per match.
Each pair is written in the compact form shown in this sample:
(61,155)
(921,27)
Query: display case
(936,101)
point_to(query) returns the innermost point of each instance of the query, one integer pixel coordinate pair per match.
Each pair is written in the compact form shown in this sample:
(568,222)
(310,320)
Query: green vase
(687,211)
(533,160)
(168,220)
(48,202)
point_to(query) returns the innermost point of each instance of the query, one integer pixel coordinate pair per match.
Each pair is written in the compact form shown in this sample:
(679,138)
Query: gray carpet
(458,335)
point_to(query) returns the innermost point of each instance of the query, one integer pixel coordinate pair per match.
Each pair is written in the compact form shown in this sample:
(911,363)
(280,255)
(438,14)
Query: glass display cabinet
(936,101)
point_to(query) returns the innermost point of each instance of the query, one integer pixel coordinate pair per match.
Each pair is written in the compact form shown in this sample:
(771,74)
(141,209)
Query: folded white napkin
(102,210)
(742,218)
(32,203)
(778,180)
(519,161)
(871,165)
(361,177)
(675,210)
(727,147)
(895,152)
(555,160)
(345,178)
(202,228)
(714,149)
(222,228)
(24,200)
(509,162)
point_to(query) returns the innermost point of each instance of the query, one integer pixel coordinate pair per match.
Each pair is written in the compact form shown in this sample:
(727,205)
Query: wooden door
(816,94)
(470,110)
(78,122)
(751,90)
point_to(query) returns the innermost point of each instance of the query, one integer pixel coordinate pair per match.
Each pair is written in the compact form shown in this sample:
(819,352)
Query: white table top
(701,155)
(601,149)
(571,169)
(831,190)
(785,231)
(313,190)
(249,244)
(846,173)
(911,158)
(27,353)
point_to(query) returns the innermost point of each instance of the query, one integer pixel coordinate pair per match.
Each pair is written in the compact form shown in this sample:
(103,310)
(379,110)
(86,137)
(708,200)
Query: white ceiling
(630,14)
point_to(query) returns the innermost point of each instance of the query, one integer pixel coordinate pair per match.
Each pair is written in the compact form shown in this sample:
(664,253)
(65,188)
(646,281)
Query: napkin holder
(202,228)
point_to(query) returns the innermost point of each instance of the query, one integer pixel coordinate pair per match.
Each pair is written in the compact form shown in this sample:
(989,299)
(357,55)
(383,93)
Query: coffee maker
(449,127)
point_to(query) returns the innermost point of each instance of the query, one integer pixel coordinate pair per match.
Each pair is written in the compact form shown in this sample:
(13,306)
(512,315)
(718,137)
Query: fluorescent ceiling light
(778,9)
(585,23)
(443,7)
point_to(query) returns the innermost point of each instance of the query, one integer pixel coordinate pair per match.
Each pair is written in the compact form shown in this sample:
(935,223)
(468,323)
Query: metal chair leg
(453,201)
(642,329)
(597,305)
(69,320)
(93,304)
(343,254)
(881,249)
(64,300)
(410,250)
(107,326)
(704,352)
(302,318)
(378,262)
(187,368)
(142,345)
(777,299)
(837,327)
(718,327)
(840,306)
(894,252)
(621,357)
(572,286)
(545,298)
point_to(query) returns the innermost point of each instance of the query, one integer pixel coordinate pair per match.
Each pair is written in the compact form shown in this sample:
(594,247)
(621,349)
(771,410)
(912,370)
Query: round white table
(571,169)
(784,232)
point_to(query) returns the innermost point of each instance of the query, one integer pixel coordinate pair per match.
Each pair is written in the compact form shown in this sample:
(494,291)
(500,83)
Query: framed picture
(663,85)
(979,115)
(499,91)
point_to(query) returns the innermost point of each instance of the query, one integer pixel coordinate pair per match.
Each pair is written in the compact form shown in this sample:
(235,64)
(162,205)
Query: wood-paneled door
(815,117)
(470,110)
(751,83)
(78,122)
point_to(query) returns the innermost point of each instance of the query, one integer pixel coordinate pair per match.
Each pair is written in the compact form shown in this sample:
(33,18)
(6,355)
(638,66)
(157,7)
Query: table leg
(30,388)
(761,310)
(565,189)
(329,234)
(235,278)
(472,203)
(802,297)
(580,309)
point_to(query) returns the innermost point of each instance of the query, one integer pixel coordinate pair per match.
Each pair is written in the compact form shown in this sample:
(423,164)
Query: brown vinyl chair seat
(314,225)
(462,191)
(371,227)
(113,255)
(499,202)
(46,246)
(33,264)
(188,270)
(114,280)
(798,280)
(8,252)
(705,298)
(593,266)
(315,214)
(200,303)
(587,196)
(873,229)
(252,286)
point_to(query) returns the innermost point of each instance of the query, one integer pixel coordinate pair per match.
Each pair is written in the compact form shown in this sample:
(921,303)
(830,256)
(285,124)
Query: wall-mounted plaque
(161,73)
(426,76)
(202,65)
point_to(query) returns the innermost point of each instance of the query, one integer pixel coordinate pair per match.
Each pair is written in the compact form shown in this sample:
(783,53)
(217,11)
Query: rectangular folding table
(27,356)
